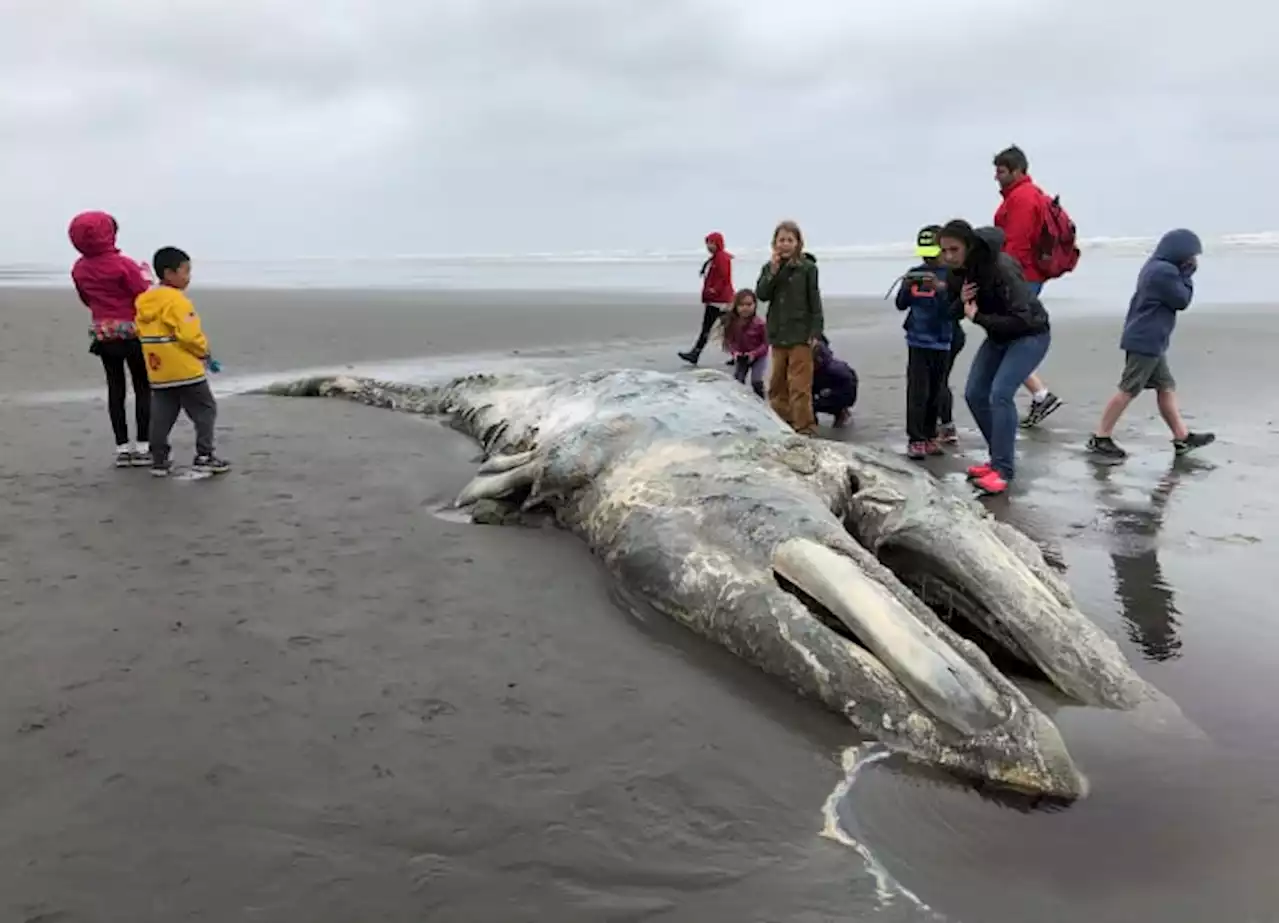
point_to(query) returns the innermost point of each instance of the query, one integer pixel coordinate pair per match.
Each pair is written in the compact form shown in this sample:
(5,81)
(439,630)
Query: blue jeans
(997,372)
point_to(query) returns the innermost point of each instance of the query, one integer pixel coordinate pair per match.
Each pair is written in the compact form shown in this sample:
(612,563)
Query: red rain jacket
(717,273)
(1021,216)
(106,280)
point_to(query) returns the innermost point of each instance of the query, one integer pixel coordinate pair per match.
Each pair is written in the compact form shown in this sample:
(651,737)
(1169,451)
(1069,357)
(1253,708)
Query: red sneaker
(991,484)
(948,434)
(932,448)
(979,471)
(917,450)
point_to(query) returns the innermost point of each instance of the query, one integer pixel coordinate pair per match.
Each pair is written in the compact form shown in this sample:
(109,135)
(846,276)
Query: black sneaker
(690,357)
(1041,409)
(1193,441)
(210,463)
(161,469)
(1106,447)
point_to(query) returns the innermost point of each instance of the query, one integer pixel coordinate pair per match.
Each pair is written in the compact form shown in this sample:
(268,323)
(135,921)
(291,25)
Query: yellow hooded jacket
(169,329)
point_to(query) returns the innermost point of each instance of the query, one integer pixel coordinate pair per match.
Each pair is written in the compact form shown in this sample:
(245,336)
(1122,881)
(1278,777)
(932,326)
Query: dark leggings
(115,355)
(710,314)
(946,402)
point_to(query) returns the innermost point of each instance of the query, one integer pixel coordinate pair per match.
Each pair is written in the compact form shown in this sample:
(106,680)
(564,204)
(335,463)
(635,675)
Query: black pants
(945,402)
(115,355)
(926,381)
(710,314)
(197,402)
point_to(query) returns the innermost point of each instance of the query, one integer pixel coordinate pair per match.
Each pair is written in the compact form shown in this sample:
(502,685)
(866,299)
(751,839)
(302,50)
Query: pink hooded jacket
(106,280)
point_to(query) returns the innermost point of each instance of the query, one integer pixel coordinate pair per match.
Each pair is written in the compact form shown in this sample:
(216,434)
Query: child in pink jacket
(745,340)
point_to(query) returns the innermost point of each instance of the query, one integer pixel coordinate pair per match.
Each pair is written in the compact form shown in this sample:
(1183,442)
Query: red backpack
(1055,251)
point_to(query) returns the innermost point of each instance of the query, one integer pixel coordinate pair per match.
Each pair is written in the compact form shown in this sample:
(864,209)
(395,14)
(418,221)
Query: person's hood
(990,237)
(1177,246)
(151,303)
(810,257)
(716,239)
(93,233)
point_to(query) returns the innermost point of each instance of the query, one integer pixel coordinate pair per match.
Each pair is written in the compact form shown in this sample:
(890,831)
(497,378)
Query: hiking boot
(161,469)
(1040,409)
(1193,441)
(210,463)
(1105,447)
(690,356)
(917,450)
(947,434)
(974,472)
(843,418)
(124,456)
(140,457)
(991,484)
(931,447)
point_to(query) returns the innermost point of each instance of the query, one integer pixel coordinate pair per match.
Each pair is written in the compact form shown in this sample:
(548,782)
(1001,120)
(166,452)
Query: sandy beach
(298,693)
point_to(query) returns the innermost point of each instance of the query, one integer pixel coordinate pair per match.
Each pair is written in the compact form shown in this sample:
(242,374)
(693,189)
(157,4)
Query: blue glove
(214,365)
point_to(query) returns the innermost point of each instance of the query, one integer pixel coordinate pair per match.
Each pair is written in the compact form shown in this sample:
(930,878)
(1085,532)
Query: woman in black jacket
(987,287)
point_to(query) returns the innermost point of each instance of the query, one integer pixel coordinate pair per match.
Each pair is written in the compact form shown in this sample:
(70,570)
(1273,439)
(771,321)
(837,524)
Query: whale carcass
(862,582)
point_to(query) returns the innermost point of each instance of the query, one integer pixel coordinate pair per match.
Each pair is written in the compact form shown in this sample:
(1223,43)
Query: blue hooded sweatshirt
(928,322)
(1164,288)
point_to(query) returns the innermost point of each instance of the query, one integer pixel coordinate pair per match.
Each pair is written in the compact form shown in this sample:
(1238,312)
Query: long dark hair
(731,324)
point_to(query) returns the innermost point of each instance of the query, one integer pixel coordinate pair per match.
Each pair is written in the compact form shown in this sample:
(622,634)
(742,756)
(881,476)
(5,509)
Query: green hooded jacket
(795,303)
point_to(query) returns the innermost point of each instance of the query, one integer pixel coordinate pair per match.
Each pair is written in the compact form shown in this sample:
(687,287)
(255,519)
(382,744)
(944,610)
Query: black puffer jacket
(1007,309)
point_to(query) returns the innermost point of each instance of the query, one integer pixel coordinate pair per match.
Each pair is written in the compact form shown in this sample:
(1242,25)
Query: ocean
(1236,268)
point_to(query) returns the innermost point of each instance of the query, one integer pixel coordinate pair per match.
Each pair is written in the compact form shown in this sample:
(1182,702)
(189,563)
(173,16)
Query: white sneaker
(124,455)
(141,455)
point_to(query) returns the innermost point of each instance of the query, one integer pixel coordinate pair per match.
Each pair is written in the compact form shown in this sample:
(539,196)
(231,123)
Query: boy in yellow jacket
(177,357)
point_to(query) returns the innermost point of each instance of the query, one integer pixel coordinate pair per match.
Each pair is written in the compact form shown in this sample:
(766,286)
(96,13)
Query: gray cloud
(291,128)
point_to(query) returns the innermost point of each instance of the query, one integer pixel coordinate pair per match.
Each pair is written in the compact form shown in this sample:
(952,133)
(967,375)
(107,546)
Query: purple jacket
(833,379)
(749,338)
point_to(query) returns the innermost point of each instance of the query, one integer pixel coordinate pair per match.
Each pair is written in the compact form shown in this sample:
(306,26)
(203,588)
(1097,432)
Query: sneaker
(1041,409)
(947,434)
(210,463)
(1193,441)
(991,484)
(843,418)
(140,457)
(161,469)
(917,450)
(1105,447)
(931,447)
(974,472)
(690,357)
(124,456)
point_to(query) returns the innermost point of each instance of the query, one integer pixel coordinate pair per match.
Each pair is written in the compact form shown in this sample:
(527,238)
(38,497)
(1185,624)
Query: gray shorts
(1145,372)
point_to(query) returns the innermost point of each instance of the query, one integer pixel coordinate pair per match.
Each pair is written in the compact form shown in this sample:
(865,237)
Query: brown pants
(791,386)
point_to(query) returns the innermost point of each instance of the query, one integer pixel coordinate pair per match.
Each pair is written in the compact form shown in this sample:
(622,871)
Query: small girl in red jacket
(745,340)
(717,292)
(107,282)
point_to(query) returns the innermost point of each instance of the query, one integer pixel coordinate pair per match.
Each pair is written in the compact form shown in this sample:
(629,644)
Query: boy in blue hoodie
(1164,288)
(929,325)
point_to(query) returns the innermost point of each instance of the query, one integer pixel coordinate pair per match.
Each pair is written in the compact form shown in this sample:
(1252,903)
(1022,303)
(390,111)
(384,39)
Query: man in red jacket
(717,292)
(1021,216)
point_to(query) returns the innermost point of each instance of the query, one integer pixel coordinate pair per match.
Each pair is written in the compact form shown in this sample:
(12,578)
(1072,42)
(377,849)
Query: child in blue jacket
(1164,289)
(930,327)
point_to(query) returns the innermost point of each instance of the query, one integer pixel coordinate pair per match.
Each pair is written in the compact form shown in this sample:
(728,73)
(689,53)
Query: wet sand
(295,693)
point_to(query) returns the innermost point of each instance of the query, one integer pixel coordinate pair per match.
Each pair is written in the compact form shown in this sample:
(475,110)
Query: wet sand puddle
(1171,557)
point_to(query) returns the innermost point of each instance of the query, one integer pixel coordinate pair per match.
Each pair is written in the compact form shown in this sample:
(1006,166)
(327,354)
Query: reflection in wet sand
(1146,599)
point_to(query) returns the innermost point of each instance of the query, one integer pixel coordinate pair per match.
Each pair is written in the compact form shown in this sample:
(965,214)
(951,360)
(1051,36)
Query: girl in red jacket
(107,282)
(745,340)
(717,292)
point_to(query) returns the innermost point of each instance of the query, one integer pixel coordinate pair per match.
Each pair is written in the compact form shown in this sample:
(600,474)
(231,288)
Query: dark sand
(294,693)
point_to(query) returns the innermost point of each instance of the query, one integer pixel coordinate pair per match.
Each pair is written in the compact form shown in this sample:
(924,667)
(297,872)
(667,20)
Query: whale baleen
(862,582)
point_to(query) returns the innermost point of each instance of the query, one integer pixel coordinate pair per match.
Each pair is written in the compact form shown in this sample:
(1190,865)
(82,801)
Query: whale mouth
(842,596)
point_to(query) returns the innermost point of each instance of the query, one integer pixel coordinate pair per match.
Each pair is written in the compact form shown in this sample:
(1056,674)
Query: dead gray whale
(819,562)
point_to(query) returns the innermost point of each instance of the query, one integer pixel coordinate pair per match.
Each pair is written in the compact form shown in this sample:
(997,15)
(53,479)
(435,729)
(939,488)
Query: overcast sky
(308,128)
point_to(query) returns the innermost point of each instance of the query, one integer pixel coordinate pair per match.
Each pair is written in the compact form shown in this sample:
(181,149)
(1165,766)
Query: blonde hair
(795,231)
